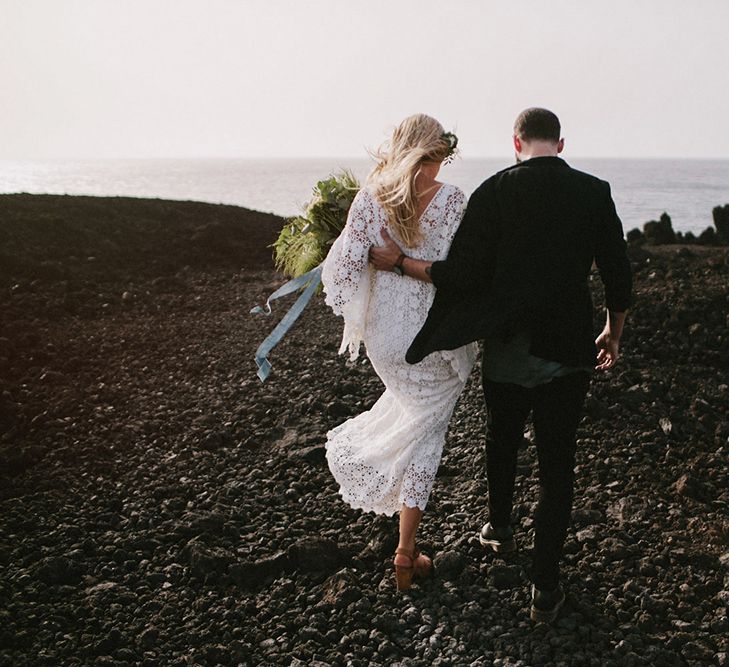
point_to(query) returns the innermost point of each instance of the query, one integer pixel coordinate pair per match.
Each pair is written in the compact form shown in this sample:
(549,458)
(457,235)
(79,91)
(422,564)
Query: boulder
(635,237)
(502,577)
(659,232)
(708,237)
(57,570)
(250,573)
(316,454)
(313,554)
(721,222)
(449,564)
(204,560)
(341,589)
(689,486)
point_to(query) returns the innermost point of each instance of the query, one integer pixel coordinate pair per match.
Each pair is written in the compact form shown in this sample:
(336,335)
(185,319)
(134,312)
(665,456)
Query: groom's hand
(608,342)
(383,257)
(607,350)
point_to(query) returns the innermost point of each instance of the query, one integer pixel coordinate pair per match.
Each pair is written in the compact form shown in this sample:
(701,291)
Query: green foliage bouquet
(305,240)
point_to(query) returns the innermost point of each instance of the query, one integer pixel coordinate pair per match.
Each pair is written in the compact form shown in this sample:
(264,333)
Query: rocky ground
(160,506)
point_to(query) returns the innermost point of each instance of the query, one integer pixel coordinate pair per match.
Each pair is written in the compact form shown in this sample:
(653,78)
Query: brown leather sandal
(423,565)
(420,566)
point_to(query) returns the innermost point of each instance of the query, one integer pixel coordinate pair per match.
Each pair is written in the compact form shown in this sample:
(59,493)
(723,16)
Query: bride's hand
(383,257)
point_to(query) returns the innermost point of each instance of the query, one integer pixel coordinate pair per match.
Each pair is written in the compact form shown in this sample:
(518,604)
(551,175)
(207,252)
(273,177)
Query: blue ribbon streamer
(311,281)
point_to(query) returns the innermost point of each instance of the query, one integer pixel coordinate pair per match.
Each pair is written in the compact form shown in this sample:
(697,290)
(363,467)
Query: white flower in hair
(452,141)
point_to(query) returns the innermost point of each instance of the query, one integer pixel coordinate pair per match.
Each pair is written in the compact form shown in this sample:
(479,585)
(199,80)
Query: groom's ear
(517,144)
(560,145)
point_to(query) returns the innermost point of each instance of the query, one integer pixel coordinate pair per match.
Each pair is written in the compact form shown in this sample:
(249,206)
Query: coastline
(643,188)
(145,471)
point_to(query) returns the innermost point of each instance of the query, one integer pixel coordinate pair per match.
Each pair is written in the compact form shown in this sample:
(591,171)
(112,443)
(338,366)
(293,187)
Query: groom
(516,277)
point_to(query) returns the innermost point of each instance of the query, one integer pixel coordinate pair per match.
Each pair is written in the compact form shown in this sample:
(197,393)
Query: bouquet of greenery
(301,247)
(305,241)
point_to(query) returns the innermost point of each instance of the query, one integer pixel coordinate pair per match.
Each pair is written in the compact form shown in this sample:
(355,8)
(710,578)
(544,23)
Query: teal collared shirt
(509,361)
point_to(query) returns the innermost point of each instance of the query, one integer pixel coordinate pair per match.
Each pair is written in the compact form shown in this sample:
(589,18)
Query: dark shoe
(501,540)
(546,604)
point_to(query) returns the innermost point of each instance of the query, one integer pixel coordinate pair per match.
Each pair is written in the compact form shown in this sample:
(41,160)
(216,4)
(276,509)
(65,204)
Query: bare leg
(409,522)
(407,565)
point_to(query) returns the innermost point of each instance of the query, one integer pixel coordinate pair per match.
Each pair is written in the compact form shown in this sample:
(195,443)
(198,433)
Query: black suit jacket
(521,259)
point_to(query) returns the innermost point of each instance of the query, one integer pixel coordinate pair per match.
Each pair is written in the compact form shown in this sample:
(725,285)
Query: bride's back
(437,223)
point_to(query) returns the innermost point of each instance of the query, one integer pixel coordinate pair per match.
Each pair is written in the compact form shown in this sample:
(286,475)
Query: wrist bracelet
(397,268)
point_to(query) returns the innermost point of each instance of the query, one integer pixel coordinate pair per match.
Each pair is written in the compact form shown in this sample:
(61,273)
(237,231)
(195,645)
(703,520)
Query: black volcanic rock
(721,222)
(255,572)
(635,237)
(312,554)
(503,577)
(204,560)
(160,505)
(60,237)
(56,570)
(659,232)
(708,237)
(449,564)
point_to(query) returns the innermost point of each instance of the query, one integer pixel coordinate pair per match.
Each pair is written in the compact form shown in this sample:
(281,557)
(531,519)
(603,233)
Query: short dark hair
(537,123)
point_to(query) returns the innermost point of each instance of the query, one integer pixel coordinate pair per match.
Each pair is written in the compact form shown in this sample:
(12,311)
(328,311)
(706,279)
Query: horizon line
(342,157)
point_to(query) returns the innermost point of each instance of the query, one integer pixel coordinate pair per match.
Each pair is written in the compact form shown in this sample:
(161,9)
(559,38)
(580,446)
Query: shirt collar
(544,159)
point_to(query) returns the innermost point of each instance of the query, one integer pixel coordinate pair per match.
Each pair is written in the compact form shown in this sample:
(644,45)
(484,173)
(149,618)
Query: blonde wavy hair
(419,138)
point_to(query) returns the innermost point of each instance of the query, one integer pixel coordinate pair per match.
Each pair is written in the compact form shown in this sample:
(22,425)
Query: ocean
(642,188)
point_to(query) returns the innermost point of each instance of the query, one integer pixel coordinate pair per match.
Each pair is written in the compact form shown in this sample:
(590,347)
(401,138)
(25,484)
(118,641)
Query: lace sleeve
(463,358)
(455,207)
(346,274)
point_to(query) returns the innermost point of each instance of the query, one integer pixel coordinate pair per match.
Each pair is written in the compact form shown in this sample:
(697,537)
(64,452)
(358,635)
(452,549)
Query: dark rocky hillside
(160,506)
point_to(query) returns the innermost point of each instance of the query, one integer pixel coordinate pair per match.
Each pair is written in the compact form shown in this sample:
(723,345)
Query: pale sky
(297,78)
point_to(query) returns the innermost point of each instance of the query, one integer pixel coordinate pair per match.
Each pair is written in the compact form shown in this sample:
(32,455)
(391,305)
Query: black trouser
(557,408)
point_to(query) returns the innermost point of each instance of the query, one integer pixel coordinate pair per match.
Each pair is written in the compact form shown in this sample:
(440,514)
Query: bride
(385,459)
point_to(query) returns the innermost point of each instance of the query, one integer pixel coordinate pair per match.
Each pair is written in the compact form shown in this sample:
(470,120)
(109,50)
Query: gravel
(161,506)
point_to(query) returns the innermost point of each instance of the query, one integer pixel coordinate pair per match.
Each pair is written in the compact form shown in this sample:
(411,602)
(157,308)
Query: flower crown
(452,141)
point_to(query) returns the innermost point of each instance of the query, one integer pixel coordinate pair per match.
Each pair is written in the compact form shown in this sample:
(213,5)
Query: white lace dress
(389,455)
